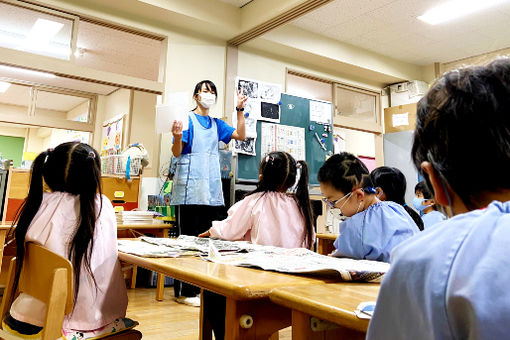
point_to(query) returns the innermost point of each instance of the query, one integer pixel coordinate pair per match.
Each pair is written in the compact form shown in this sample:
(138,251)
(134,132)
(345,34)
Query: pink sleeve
(238,222)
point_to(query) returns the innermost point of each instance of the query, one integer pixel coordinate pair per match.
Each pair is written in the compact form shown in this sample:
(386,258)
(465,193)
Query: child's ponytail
(27,211)
(303,199)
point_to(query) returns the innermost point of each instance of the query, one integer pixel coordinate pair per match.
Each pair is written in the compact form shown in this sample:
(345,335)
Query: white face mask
(207,99)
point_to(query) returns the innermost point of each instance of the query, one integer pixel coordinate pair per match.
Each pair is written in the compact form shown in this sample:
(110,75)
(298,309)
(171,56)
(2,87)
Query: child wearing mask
(424,202)
(374,227)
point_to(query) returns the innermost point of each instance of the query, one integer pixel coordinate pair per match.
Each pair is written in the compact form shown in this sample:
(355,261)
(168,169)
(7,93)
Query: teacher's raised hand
(241,98)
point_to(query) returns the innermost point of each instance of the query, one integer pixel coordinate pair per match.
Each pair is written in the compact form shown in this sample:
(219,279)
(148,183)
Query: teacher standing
(197,190)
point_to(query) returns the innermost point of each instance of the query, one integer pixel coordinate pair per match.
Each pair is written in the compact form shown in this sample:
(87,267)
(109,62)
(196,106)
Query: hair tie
(269,158)
(92,154)
(370,190)
(298,165)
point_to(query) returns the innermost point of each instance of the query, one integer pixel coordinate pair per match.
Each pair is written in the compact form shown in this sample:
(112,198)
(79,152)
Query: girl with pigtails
(277,213)
(75,221)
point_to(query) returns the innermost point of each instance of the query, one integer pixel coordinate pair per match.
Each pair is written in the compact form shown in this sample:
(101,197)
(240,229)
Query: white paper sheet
(270,93)
(175,109)
(400,119)
(320,112)
(249,123)
(246,147)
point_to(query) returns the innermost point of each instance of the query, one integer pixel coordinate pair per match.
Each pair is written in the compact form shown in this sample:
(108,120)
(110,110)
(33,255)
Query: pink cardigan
(53,227)
(270,219)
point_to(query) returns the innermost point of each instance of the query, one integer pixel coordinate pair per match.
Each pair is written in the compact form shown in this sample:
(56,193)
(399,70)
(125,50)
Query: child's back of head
(279,172)
(73,168)
(345,172)
(463,130)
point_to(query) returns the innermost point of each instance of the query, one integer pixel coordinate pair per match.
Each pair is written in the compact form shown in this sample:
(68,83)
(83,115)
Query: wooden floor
(167,320)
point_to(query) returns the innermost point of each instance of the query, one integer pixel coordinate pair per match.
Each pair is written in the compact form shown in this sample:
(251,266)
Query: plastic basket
(116,165)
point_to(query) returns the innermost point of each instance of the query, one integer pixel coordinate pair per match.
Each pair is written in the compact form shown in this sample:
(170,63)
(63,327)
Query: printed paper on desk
(400,119)
(175,109)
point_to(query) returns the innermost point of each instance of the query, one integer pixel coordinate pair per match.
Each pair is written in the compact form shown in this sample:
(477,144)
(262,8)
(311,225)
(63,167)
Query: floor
(167,320)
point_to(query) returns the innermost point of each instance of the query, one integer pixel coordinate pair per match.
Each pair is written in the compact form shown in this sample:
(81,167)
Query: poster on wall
(286,138)
(320,112)
(246,147)
(112,136)
(263,99)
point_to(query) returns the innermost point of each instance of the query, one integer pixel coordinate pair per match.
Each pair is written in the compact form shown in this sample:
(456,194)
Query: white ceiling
(237,3)
(391,27)
(19,95)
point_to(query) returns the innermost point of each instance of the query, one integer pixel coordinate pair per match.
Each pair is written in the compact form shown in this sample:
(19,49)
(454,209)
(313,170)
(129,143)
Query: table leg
(134,271)
(302,330)
(260,318)
(205,324)
(160,287)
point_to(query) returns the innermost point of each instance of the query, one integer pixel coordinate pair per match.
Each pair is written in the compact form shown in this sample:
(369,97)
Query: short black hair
(344,172)
(392,181)
(465,112)
(209,84)
(424,189)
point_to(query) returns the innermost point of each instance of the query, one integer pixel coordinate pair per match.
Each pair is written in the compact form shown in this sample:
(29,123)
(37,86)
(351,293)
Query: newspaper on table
(302,261)
(245,254)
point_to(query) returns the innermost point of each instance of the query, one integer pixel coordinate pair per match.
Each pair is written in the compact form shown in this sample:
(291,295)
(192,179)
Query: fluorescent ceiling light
(42,32)
(4,86)
(456,9)
(26,72)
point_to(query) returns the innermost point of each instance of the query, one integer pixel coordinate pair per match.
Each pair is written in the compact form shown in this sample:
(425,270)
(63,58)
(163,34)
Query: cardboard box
(400,118)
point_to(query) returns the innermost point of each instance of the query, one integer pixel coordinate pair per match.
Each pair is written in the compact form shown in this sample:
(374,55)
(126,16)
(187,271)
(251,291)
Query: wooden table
(136,230)
(325,243)
(326,311)
(246,290)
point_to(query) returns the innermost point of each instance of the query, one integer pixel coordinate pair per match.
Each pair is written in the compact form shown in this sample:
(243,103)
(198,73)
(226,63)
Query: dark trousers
(193,220)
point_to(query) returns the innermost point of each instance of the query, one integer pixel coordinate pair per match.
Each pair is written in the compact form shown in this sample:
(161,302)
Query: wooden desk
(246,290)
(325,243)
(333,303)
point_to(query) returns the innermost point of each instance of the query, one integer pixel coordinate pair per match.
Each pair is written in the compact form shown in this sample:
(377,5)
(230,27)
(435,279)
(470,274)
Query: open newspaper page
(240,253)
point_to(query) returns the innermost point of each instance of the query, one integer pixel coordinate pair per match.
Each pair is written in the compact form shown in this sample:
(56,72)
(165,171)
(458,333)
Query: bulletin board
(294,112)
(112,135)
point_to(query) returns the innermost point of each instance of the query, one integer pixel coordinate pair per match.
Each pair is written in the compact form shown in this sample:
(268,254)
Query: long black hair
(465,111)
(73,168)
(279,172)
(393,183)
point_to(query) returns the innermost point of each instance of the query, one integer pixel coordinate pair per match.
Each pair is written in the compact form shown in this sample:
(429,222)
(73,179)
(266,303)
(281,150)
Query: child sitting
(451,281)
(268,215)
(374,227)
(390,185)
(76,222)
(425,203)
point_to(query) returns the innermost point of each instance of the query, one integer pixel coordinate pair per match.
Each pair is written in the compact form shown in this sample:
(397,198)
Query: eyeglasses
(331,204)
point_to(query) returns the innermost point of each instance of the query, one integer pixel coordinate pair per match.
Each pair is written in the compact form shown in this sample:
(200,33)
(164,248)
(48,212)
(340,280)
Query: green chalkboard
(12,148)
(294,111)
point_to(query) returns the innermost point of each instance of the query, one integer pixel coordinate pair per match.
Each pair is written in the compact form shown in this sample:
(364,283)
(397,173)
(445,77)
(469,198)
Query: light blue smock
(432,218)
(374,232)
(450,282)
(197,177)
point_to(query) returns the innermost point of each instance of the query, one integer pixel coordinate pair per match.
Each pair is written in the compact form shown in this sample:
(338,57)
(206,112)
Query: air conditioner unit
(407,92)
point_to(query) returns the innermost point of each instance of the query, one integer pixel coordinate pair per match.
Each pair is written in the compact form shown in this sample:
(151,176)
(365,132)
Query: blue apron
(197,177)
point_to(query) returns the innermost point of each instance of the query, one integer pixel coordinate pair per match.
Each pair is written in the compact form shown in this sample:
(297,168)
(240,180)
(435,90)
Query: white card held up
(175,109)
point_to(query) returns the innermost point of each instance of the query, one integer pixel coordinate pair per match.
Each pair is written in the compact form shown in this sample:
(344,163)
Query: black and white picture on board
(270,112)
(246,146)
(249,88)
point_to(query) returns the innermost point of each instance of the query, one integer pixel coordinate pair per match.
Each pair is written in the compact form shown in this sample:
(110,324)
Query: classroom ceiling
(391,27)
(237,3)
(19,95)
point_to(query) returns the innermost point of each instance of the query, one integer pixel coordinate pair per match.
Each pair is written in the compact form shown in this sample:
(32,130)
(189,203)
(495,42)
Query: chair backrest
(47,277)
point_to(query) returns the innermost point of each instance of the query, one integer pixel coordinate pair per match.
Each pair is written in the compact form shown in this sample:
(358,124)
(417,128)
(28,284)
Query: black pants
(193,220)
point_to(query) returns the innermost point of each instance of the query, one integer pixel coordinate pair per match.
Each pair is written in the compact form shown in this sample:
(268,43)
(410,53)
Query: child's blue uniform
(451,282)
(374,232)
(432,218)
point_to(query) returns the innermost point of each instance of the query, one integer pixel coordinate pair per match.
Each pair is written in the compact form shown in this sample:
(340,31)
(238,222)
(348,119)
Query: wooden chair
(48,277)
